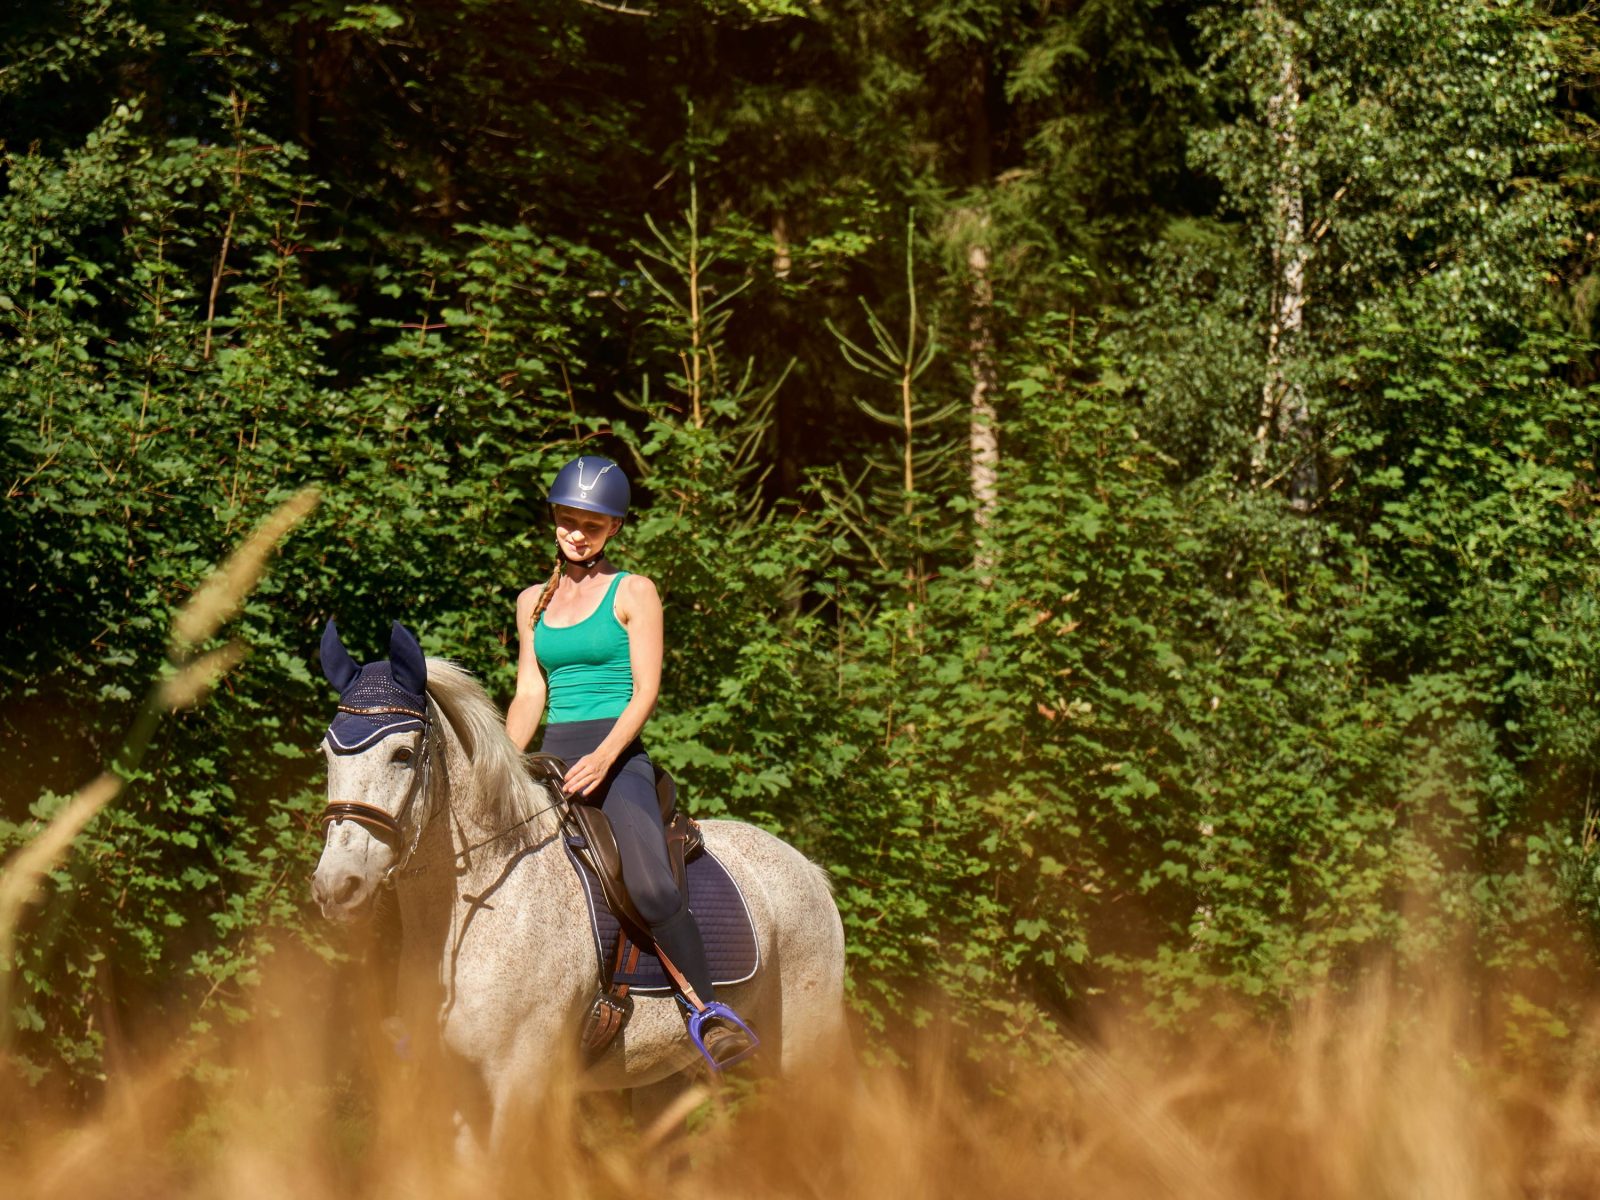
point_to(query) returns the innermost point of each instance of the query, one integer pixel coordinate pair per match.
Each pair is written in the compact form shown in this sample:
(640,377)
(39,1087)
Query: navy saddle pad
(719,909)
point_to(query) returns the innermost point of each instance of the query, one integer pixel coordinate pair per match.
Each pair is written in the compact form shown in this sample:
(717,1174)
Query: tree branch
(620,8)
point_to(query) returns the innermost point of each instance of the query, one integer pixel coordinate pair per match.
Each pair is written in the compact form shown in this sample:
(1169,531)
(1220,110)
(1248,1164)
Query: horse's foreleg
(532,1087)
(471,1108)
(470,1148)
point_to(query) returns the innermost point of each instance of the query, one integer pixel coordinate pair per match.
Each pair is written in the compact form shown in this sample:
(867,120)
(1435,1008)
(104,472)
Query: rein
(411,872)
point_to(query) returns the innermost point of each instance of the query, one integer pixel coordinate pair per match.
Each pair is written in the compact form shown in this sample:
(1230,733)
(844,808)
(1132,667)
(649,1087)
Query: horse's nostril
(347,889)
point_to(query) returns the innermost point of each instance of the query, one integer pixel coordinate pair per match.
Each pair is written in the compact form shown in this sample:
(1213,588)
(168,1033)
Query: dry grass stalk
(191,685)
(20,880)
(215,602)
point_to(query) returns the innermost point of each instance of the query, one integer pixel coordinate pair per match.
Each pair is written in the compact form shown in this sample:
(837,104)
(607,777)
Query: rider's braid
(549,591)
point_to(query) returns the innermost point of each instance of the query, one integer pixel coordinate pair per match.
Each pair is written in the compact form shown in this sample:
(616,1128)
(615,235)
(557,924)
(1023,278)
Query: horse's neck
(460,862)
(453,915)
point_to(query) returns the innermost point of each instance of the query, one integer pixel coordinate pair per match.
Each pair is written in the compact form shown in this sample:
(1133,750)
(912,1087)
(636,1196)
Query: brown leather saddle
(594,841)
(599,843)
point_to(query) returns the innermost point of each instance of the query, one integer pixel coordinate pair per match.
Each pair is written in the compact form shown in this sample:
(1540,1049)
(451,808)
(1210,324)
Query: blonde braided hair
(549,591)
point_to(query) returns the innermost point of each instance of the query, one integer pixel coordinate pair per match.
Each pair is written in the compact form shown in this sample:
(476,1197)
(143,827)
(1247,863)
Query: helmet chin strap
(585,563)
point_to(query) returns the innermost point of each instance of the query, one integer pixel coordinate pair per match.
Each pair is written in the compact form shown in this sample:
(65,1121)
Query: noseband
(377,821)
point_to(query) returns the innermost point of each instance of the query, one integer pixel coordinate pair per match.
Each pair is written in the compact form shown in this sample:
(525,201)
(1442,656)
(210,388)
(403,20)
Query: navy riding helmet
(593,484)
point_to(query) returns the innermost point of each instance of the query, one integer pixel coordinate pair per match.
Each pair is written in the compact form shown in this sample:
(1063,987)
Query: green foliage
(737,712)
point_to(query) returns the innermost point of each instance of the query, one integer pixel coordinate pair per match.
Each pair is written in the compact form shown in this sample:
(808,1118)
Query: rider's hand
(588,773)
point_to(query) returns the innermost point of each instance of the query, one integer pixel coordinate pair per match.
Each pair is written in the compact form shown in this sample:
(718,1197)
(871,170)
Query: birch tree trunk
(1284,408)
(782,261)
(984,439)
(983,424)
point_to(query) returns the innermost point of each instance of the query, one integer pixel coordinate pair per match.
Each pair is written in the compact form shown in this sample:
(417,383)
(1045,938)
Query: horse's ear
(337,664)
(407,666)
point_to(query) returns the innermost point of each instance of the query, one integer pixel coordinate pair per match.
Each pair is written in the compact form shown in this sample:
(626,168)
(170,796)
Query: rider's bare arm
(527,706)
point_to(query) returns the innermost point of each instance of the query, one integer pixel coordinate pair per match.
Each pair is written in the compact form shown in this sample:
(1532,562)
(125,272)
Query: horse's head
(379,748)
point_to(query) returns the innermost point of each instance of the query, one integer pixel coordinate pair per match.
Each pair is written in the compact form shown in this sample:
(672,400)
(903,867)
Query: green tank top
(587,665)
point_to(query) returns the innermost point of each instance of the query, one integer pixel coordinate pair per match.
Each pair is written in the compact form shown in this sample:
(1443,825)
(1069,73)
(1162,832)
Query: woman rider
(590,642)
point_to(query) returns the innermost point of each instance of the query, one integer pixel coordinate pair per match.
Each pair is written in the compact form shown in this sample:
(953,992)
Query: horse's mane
(507,796)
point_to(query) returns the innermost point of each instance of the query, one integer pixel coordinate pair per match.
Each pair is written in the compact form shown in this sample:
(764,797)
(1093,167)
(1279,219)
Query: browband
(378,710)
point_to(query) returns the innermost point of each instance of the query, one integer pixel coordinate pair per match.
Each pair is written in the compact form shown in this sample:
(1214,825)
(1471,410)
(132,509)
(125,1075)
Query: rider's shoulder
(637,588)
(529,596)
(634,582)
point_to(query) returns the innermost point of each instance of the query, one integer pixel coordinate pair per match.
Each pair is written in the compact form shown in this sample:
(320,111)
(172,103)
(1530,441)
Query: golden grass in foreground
(1372,1098)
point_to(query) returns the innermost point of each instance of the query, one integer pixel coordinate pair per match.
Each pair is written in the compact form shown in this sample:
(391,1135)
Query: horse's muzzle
(343,896)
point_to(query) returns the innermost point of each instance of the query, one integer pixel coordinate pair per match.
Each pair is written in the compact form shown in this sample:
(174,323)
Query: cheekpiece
(378,699)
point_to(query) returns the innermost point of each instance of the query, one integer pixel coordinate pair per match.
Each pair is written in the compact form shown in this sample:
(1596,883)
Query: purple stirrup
(717,1010)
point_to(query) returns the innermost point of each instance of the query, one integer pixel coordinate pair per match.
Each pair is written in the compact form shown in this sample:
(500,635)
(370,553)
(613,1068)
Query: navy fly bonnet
(391,697)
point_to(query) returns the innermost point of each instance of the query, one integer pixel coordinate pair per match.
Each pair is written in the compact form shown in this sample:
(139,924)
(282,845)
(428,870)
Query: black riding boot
(679,938)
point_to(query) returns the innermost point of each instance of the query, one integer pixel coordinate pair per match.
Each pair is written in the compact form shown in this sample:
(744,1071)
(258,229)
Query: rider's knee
(658,900)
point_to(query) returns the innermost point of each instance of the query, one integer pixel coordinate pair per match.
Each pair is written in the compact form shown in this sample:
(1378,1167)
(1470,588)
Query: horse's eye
(402,754)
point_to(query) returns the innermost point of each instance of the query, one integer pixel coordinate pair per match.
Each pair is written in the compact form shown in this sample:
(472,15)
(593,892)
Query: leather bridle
(390,829)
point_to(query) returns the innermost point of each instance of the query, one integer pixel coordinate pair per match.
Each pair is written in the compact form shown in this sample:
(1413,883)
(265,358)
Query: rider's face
(582,534)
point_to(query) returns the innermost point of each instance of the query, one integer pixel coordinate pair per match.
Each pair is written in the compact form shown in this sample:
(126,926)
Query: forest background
(1121,473)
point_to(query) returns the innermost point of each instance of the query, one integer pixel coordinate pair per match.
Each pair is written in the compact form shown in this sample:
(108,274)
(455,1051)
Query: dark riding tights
(631,807)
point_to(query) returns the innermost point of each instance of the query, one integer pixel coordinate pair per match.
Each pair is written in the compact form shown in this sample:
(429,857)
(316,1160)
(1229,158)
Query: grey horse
(496,946)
